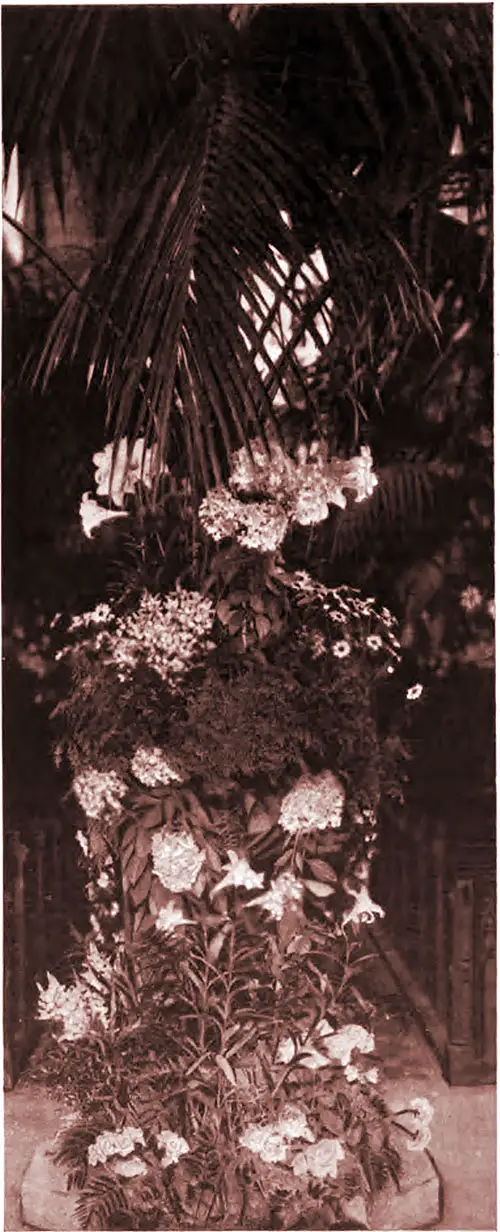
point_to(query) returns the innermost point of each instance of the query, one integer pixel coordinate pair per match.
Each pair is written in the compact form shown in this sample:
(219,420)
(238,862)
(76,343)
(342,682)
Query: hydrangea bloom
(168,631)
(364,909)
(99,793)
(169,918)
(100,615)
(75,1008)
(320,1160)
(173,1147)
(122,1142)
(238,872)
(314,803)
(152,768)
(284,892)
(130,1167)
(131,466)
(176,860)
(258,525)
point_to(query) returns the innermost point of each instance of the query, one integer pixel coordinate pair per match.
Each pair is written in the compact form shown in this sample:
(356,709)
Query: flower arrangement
(228,759)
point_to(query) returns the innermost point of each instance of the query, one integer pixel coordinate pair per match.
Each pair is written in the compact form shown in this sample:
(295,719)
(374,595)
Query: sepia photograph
(248,602)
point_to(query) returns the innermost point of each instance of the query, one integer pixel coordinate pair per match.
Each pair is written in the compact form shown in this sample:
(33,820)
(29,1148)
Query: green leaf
(318,888)
(322,871)
(226,1069)
(263,626)
(260,822)
(140,890)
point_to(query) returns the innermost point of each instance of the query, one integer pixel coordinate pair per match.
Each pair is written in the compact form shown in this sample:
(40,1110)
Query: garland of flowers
(226,755)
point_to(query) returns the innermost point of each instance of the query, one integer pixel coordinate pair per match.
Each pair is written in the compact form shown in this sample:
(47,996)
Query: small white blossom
(93,515)
(292,1125)
(122,1142)
(169,918)
(284,892)
(425,1112)
(103,880)
(238,872)
(414,692)
(130,1167)
(341,649)
(266,1142)
(374,641)
(490,608)
(316,802)
(99,793)
(364,909)
(82,839)
(320,1160)
(360,476)
(176,860)
(341,1043)
(131,466)
(173,1147)
(152,768)
(471,599)
(352,1073)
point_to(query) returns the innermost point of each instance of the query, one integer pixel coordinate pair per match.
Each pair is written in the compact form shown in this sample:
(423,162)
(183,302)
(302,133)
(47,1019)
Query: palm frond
(406,495)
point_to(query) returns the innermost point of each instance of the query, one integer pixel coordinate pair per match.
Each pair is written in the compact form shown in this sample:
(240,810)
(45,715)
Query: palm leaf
(406,493)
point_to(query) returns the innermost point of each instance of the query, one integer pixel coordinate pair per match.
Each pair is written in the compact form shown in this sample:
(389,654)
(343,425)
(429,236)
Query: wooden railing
(439,933)
(43,895)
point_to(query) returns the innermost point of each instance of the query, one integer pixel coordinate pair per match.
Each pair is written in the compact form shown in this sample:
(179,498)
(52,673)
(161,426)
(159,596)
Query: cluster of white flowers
(176,860)
(75,1008)
(121,1142)
(284,893)
(304,486)
(320,1160)
(316,802)
(173,1147)
(290,491)
(271,1142)
(364,910)
(168,631)
(257,525)
(100,615)
(152,768)
(239,873)
(99,793)
(169,918)
(334,1045)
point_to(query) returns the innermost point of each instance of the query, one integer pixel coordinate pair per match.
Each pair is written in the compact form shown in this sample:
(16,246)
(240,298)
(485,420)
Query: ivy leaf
(319,889)
(223,611)
(153,819)
(331,1121)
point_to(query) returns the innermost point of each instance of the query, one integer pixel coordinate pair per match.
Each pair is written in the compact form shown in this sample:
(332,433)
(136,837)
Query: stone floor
(464,1126)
